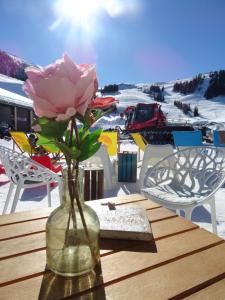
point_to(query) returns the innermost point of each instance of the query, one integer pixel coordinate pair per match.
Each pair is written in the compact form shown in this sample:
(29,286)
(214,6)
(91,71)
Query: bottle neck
(73,188)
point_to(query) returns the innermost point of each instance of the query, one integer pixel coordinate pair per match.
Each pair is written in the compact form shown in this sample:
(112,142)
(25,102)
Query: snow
(12,84)
(12,98)
(210,110)
(11,92)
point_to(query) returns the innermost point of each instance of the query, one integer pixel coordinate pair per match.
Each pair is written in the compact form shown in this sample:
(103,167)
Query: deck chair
(187,179)
(184,139)
(101,158)
(111,141)
(219,138)
(25,173)
(152,155)
(140,142)
(21,140)
(46,161)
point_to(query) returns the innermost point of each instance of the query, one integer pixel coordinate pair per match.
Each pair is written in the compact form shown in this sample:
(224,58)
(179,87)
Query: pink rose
(61,89)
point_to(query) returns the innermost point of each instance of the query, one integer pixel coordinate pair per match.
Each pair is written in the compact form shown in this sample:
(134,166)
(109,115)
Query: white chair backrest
(18,166)
(152,155)
(198,171)
(101,158)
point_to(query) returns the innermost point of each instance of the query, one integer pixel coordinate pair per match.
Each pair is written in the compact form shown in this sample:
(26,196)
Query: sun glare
(78,11)
(82,13)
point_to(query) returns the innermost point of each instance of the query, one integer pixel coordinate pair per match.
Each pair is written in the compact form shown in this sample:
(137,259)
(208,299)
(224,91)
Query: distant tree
(188,87)
(196,113)
(111,88)
(216,85)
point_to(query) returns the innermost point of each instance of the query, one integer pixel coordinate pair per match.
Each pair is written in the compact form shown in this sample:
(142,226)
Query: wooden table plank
(146,204)
(130,270)
(23,244)
(28,241)
(159,214)
(20,290)
(171,226)
(172,279)
(146,257)
(16,230)
(117,265)
(25,216)
(215,291)
(44,212)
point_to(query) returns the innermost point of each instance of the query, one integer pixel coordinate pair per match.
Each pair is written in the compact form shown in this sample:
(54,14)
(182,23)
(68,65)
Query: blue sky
(131,41)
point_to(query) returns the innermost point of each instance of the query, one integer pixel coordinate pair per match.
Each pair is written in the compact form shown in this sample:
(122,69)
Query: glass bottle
(72,233)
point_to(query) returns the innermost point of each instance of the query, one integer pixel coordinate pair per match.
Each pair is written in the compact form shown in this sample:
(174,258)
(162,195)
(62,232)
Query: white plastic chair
(25,173)
(101,158)
(152,155)
(187,179)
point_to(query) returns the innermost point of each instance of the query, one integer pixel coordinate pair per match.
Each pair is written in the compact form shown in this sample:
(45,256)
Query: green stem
(82,215)
(73,186)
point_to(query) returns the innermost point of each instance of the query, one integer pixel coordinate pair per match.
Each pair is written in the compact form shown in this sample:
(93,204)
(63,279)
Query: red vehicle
(150,120)
(144,116)
(104,103)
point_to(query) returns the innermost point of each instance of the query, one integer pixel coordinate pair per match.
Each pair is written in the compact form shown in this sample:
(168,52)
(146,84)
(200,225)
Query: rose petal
(43,107)
(34,74)
(61,89)
(62,117)
(28,88)
(71,111)
(57,91)
(73,70)
(85,100)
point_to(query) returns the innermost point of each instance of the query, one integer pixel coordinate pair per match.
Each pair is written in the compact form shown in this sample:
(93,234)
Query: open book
(122,222)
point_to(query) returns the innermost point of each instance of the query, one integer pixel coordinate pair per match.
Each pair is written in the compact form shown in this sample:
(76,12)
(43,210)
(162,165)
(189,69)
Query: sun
(78,12)
(86,14)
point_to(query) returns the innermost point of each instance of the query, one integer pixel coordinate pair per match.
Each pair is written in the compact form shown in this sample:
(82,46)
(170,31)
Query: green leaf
(75,153)
(90,138)
(89,152)
(41,121)
(71,152)
(83,132)
(48,144)
(51,128)
(67,139)
(90,144)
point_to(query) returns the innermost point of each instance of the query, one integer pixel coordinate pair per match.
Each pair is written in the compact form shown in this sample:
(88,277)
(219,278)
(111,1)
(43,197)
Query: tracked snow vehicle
(151,122)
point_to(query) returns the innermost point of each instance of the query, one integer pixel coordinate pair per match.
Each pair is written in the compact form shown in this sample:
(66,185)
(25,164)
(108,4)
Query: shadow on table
(114,245)
(89,286)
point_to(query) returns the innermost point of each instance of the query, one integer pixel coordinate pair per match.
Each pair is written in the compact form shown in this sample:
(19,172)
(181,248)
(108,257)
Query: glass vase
(72,232)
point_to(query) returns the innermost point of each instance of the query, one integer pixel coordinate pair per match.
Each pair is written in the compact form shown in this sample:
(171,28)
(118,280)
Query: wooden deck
(184,261)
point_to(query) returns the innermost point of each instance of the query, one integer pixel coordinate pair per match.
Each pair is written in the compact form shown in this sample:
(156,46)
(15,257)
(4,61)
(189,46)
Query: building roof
(11,92)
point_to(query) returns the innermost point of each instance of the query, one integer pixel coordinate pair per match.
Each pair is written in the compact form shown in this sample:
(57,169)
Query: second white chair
(152,155)
(186,179)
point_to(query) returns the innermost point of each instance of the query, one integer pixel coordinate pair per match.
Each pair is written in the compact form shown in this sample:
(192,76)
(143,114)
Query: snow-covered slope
(211,111)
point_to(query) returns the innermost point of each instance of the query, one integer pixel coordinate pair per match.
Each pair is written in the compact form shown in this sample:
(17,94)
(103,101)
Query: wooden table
(184,261)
